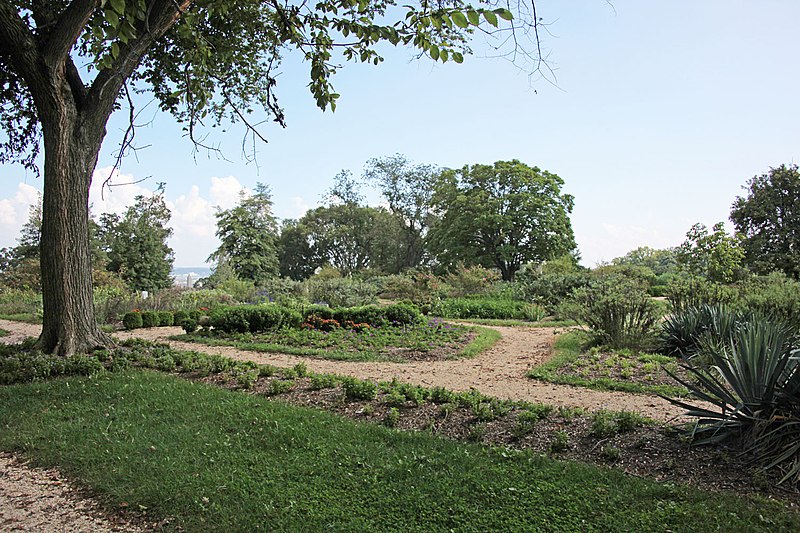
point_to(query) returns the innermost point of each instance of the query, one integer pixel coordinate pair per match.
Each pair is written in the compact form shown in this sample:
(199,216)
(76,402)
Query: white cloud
(225,192)
(192,215)
(14,213)
(116,198)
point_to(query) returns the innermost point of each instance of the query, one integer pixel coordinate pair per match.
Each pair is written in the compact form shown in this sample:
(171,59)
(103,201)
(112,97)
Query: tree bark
(71,149)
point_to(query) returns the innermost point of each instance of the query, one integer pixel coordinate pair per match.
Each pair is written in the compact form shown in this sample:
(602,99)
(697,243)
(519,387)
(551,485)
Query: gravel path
(34,499)
(498,372)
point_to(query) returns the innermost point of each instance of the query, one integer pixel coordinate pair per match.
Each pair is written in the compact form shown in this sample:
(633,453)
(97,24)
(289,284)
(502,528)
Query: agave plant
(754,383)
(699,329)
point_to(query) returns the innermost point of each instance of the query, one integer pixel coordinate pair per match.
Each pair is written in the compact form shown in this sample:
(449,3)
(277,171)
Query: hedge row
(148,319)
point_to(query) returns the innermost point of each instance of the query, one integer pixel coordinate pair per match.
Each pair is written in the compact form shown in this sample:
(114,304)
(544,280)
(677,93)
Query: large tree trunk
(71,148)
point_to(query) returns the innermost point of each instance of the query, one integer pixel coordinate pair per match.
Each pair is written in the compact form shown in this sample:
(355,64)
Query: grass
(572,365)
(3,333)
(215,460)
(378,344)
(30,318)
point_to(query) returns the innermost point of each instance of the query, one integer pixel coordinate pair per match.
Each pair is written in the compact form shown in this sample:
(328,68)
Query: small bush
(189,325)
(608,424)
(278,386)
(166,318)
(150,319)
(356,389)
(132,320)
(618,311)
(392,417)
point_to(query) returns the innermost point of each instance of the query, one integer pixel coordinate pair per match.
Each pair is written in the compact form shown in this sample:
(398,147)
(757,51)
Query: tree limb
(67,30)
(18,44)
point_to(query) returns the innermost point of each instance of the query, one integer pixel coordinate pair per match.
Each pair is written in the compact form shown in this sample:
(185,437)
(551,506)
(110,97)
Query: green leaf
(443,55)
(459,19)
(434,52)
(490,17)
(119,6)
(114,50)
(112,18)
(504,14)
(458,57)
(474,17)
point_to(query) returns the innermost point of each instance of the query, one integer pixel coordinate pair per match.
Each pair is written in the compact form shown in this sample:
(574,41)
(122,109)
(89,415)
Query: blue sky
(657,114)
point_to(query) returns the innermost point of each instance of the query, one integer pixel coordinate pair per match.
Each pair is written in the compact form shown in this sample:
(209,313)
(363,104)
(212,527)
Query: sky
(655,114)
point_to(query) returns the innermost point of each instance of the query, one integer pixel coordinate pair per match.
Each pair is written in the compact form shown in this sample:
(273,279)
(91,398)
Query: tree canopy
(768,220)
(714,255)
(136,244)
(67,65)
(248,236)
(502,216)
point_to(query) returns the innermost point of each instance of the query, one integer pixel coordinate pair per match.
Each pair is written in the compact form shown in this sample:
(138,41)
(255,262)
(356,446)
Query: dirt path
(34,499)
(498,372)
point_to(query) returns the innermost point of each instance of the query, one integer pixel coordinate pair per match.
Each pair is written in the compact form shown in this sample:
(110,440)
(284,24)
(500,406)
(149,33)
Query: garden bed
(620,370)
(431,341)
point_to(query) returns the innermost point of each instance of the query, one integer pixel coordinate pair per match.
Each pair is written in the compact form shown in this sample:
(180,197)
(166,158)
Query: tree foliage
(502,216)
(408,189)
(248,236)
(768,219)
(136,244)
(713,255)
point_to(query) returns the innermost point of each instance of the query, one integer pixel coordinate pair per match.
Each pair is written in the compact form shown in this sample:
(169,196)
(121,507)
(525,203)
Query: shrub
(356,389)
(754,382)
(166,318)
(132,320)
(618,311)
(254,319)
(774,295)
(341,292)
(149,319)
(488,308)
(684,292)
(473,280)
(189,325)
(548,290)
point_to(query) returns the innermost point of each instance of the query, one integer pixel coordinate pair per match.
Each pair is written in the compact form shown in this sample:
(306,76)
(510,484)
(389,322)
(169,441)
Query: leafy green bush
(754,382)
(341,292)
(488,308)
(684,292)
(150,319)
(774,295)
(375,316)
(254,319)
(132,320)
(356,389)
(548,290)
(166,318)
(473,280)
(618,311)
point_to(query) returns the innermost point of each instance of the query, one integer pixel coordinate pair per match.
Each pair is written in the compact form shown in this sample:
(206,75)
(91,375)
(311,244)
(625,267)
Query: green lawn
(620,371)
(378,344)
(217,460)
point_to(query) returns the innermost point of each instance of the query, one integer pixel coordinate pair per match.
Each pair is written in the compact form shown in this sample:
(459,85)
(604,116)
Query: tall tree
(502,216)
(768,219)
(30,236)
(297,257)
(203,60)
(248,236)
(714,255)
(408,189)
(136,244)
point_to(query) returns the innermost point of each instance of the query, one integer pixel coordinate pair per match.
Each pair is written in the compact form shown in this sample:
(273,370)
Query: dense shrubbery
(341,292)
(488,308)
(254,319)
(618,311)
(548,290)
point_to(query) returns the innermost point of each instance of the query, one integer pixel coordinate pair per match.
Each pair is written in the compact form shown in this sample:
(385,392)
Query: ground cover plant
(210,459)
(576,363)
(326,338)
(3,333)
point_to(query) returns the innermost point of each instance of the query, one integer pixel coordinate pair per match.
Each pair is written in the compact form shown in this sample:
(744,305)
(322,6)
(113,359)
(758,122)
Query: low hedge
(400,314)
(254,319)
